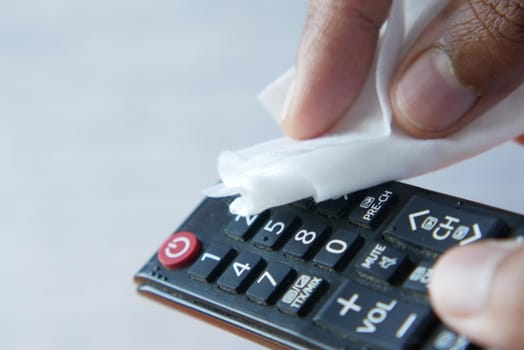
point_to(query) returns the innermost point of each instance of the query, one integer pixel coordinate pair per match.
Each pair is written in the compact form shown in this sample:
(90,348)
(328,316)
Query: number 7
(269,277)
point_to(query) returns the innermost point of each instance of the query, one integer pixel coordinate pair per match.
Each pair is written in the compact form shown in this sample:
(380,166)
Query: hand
(468,59)
(477,290)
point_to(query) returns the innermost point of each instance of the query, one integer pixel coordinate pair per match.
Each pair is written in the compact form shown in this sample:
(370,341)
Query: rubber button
(178,250)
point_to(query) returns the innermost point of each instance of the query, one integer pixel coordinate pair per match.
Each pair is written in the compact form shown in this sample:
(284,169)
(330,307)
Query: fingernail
(462,278)
(429,95)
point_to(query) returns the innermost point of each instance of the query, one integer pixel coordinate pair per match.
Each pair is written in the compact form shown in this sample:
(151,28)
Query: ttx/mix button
(301,295)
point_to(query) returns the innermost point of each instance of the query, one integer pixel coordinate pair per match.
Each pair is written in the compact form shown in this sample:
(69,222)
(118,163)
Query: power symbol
(179,250)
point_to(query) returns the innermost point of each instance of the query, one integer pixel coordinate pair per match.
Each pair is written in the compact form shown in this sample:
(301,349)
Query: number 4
(239,268)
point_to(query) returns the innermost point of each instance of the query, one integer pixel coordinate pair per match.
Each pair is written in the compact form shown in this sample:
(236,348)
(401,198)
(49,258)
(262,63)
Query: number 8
(305,236)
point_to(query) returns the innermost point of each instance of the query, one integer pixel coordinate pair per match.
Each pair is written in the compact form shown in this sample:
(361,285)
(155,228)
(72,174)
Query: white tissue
(364,148)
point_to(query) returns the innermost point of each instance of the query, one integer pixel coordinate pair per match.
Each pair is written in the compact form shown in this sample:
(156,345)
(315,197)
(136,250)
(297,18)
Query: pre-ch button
(178,250)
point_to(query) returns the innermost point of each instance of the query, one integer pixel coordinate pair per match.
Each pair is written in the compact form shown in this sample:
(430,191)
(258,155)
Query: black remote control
(349,273)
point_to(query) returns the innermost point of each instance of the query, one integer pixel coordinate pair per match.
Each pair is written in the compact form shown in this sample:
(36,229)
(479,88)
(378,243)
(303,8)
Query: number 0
(336,246)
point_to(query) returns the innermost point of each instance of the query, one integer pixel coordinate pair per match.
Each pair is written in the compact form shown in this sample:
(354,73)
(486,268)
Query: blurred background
(112,115)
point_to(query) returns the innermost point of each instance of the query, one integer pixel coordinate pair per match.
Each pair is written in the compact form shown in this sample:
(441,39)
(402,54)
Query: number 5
(276,228)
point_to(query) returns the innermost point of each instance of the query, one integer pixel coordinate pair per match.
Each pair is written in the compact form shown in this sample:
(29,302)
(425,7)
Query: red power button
(178,250)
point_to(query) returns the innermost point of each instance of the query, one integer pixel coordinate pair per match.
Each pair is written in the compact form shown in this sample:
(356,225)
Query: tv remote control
(349,273)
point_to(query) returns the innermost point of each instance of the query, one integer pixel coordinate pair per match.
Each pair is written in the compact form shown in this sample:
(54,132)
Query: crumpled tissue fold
(364,148)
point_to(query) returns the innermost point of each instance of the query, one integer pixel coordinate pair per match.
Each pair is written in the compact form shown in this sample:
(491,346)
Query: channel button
(372,208)
(437,226)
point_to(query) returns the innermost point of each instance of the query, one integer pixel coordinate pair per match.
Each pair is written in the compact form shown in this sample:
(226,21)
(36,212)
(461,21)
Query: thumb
(477,290)
(468,59)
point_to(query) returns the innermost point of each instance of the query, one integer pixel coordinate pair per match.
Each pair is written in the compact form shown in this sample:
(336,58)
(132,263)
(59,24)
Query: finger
(334,57)
(469,58)
(477,290)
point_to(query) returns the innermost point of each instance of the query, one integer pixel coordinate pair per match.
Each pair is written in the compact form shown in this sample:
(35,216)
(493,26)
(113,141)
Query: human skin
(466,60)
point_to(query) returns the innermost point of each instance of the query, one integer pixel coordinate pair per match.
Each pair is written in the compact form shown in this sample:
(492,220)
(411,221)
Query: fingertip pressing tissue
(364,148)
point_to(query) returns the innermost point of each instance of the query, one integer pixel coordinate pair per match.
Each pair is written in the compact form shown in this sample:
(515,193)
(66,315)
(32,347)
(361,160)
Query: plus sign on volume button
(359,312)
(178,250)
(437,226)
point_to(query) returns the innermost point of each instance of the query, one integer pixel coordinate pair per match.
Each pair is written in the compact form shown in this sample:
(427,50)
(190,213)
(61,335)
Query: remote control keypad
(352,270)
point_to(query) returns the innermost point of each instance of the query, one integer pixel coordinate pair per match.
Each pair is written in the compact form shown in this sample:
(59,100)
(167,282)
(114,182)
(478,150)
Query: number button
(338,250)
(270,283)
(240,273)
(241,227)
(211,262)
(305,240)
(335,208)
(275,230)
(305,203)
